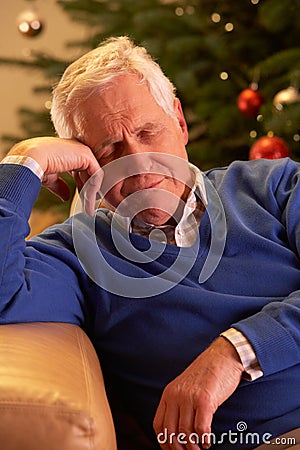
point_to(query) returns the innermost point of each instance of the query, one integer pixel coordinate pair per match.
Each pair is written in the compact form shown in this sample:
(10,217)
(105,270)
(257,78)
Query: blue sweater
(143,342)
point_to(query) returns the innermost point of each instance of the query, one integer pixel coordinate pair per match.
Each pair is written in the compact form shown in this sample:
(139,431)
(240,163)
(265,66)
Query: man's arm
(189,402)
(34,277)
(274,331)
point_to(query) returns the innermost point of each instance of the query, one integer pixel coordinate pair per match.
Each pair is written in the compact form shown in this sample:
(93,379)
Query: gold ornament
(29,24)
(285,97)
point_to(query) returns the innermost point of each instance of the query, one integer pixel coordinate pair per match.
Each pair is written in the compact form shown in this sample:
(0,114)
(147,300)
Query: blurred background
(236,66)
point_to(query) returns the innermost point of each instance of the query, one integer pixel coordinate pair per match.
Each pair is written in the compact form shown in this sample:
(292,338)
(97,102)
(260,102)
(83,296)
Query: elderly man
(187,283)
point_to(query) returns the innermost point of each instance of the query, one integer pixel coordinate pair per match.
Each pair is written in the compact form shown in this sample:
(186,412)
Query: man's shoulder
(254,169)
(255,164)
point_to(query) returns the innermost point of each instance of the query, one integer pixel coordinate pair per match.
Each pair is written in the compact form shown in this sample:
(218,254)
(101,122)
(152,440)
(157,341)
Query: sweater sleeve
(37,280)
(274,332)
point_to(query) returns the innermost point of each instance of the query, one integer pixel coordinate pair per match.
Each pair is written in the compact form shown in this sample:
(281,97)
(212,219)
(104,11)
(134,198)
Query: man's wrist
(26,161)
(19,186)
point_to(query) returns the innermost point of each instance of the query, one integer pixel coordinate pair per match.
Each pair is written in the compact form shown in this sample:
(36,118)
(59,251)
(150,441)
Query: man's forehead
(144,127)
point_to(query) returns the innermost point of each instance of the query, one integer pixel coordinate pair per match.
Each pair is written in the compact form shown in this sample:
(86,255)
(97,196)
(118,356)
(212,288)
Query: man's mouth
(134,187)
(153,185)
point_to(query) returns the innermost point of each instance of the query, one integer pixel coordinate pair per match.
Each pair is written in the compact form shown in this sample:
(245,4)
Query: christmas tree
(236,66)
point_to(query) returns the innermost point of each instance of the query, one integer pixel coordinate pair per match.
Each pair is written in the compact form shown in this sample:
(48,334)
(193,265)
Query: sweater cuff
(20,186)
(272,343)
(26,161)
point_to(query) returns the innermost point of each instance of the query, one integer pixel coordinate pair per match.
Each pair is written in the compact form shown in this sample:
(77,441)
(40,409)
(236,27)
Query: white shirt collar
(186,229)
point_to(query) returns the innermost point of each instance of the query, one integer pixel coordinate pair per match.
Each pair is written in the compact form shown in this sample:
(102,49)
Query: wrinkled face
(132,136)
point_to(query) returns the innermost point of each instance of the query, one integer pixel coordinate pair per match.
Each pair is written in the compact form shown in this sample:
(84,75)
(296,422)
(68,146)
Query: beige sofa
(52,394)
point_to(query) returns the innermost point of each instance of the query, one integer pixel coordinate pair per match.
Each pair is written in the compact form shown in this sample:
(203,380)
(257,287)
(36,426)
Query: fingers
(58,186)
(188,427)
(90,190)
(188,403)
(158,425)
(187,432)
(170,421)
(77,178)
(165,425)
(203,427)
(175,425)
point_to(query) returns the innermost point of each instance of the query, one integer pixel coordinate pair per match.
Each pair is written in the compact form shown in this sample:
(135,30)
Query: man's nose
(134,161)
(139,158)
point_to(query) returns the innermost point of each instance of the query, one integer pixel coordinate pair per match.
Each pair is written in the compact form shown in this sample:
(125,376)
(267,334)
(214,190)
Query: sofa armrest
(52,394)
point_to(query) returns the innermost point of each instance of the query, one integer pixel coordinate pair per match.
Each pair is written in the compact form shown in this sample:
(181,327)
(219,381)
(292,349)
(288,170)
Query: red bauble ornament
(249,102)
(269,147)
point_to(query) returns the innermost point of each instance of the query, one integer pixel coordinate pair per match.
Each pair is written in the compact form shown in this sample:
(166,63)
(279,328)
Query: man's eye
(147,135)
(111,152)
(105,154)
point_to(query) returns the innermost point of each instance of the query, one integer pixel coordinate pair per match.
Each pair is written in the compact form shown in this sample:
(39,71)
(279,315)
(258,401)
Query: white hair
(94,70)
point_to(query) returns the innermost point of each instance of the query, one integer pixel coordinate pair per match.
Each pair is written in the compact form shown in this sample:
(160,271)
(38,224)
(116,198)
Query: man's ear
(181,119)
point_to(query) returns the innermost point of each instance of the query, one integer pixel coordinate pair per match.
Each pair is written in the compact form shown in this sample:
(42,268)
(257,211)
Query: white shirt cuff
(246,353)
(26,161)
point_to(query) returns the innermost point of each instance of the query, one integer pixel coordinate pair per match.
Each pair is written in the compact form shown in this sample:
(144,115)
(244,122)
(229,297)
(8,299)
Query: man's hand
(189,402)
(55,156)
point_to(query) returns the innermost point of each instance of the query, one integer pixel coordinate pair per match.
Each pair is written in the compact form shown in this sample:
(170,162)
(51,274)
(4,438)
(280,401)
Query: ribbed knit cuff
(274,346)
(19,185)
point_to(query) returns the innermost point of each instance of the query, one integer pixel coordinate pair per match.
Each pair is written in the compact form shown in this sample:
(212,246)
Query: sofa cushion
(52,394)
